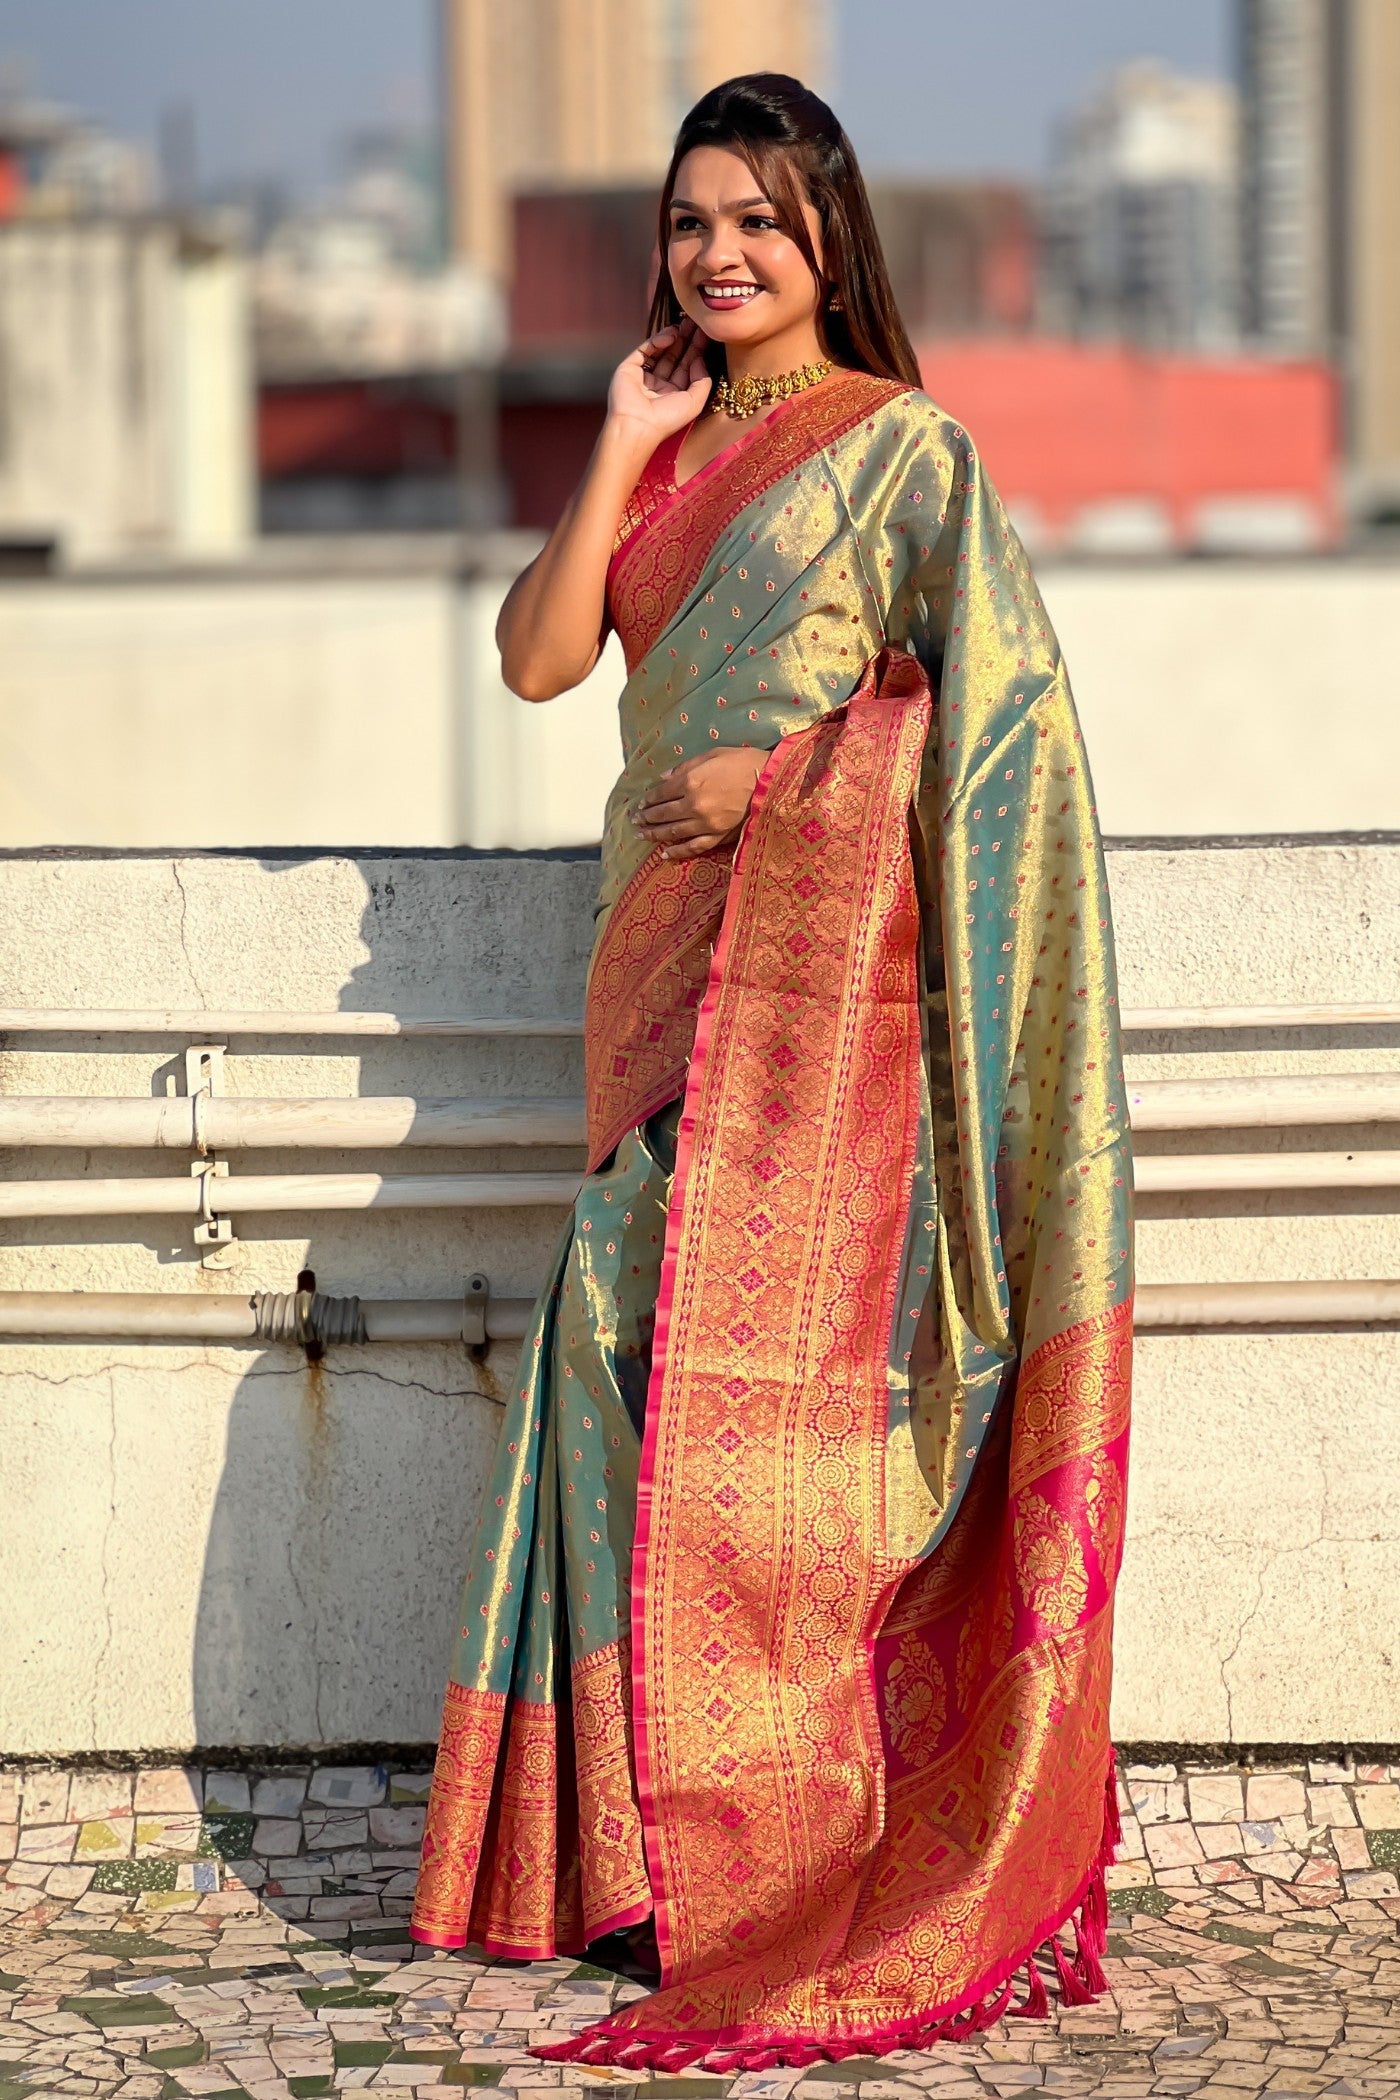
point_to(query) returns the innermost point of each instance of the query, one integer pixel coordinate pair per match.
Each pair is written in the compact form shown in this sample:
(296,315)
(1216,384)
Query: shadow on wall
(350,1487)
(328,1591)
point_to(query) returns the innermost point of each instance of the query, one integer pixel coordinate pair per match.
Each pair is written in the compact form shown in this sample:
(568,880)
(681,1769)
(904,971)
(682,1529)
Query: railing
(184,1123)
(205,1121)
(264,1316)
(206,1022)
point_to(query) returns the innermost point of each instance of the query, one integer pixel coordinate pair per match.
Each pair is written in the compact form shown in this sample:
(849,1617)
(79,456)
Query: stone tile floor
(217,1933)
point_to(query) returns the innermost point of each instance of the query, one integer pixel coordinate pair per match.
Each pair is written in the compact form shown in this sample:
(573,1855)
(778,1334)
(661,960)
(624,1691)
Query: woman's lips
(720,302)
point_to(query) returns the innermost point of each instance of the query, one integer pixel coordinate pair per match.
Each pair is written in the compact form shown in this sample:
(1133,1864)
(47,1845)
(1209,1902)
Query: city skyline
(251,84)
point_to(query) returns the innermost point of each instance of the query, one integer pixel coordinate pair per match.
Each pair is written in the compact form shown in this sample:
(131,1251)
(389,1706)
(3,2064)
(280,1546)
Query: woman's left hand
(700,803)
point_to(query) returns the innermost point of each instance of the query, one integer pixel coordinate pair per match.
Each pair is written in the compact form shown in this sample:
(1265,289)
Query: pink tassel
(1036,2004)
(1072,1991)
(1000,2004)
(1093,1915)
(1091,1937)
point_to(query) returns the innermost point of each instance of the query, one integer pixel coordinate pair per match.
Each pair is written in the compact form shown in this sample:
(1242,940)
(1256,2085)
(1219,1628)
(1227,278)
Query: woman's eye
(684,225)
(760,224)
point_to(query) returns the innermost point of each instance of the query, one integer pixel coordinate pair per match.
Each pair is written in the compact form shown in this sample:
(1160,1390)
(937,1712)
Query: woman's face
(736,273)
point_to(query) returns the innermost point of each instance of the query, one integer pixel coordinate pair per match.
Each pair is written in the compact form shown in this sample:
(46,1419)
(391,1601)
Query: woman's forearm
(549,626)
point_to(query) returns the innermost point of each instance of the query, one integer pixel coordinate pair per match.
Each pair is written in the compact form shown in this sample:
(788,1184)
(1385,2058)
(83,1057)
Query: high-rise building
(1290,53)
(1373,275)
(1141,237)
(56,164)
(589,92)
(1321,207)
(710,40)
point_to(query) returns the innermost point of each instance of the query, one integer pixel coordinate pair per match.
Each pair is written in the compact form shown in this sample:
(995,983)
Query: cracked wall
(232,1548)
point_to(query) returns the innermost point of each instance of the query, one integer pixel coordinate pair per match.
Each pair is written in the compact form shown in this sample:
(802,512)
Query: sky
(936,86)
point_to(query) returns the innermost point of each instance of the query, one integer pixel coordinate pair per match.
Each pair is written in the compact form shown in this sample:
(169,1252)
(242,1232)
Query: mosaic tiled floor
(202,1932)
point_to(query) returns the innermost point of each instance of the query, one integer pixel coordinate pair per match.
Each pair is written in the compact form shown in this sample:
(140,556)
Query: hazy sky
(920,84)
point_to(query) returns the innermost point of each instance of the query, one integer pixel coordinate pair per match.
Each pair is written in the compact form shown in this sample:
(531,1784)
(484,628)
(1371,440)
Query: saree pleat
(535,1841)
(789,1622)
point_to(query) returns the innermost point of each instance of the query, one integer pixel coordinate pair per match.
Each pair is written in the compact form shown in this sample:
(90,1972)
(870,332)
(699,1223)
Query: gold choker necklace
(751,394)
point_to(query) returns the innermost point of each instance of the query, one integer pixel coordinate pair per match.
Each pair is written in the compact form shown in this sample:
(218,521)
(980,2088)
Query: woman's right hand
(663,385)
(550,625)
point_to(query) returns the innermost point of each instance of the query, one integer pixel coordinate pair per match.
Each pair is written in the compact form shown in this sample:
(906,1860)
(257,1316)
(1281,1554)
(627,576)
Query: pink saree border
(906,680)
(665,1303)
(566,1944)
(675,550)
(664,459)
(980,2005)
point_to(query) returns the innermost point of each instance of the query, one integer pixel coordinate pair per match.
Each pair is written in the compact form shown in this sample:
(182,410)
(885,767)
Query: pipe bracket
(474,1306)
(204,1077)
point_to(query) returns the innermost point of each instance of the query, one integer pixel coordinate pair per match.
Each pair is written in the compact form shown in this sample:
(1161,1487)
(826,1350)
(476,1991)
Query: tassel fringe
(1080,1982)
(1036,2003)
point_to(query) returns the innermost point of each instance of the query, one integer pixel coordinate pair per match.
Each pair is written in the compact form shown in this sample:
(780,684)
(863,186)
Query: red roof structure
(1106,448)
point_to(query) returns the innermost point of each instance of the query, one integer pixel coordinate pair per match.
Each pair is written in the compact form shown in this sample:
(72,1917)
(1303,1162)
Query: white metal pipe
(1310,1014)
(221,1123)
(1268,1101)
(228,1124)
(156,1196)
(160,1197)
(1336,1303)
(214,1024)
(180,1316)
(1167,1173)
(437,1319)
(192,1316)
(230,1194)
(174,1316)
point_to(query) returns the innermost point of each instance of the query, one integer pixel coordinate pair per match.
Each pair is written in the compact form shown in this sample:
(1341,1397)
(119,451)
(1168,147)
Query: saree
(788,1623)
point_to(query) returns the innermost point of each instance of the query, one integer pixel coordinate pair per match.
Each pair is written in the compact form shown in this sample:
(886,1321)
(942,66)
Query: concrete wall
(220,1545)
(286,709)
(214,445)
(216,1546)
(125,389)
(137,713)
(1235,697)
(280,706)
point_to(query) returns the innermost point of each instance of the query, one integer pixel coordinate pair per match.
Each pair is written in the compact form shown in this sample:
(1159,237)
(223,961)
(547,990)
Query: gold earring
(833,304)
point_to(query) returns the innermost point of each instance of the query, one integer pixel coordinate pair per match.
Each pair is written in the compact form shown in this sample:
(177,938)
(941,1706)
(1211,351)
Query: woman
(787,1629)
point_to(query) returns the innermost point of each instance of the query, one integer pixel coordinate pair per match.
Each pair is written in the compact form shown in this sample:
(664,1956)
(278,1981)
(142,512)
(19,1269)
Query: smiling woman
(784,1653)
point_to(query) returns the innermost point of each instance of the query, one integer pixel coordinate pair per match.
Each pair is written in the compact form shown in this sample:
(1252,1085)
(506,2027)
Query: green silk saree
(789,1619)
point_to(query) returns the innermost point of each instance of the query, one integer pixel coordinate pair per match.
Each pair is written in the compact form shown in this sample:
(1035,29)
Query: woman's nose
(720,249)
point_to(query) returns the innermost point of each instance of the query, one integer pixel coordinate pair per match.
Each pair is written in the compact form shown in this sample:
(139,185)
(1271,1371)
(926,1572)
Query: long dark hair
(799,153)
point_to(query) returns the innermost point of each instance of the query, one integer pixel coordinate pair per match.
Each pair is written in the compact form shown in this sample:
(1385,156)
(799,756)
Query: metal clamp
(213,1230)
(474,1304)
(204,1078)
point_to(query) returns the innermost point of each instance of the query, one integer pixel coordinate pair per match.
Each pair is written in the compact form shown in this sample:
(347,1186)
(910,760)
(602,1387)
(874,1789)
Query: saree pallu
(789,1620)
